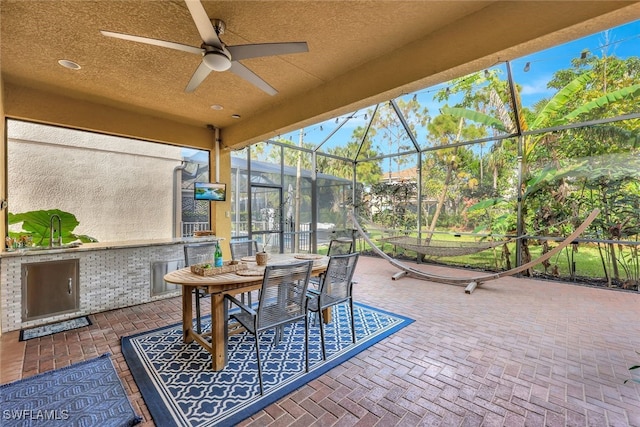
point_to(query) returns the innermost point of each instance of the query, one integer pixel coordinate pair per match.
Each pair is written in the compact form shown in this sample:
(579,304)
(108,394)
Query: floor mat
(86,394)
(54,328)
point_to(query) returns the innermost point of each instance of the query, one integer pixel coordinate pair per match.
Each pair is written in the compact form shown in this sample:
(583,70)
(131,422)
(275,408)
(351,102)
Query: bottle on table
(217,259)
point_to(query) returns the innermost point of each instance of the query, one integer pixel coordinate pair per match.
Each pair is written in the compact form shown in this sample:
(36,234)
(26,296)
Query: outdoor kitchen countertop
(98,246)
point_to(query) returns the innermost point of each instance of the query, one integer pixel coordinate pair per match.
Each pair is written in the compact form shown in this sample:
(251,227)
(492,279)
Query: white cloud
(537,87)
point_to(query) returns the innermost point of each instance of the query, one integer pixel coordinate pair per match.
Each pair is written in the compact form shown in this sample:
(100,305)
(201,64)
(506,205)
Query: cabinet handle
(70,285)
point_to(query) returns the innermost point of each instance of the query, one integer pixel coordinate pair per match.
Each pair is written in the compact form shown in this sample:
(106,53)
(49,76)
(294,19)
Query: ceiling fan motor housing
(217,59)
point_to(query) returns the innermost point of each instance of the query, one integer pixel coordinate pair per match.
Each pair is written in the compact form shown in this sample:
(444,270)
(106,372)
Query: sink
(68,245)
(50,248)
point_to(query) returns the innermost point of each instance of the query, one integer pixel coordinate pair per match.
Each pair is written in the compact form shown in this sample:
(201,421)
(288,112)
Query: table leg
(218,332)
(187,314)
(326,315)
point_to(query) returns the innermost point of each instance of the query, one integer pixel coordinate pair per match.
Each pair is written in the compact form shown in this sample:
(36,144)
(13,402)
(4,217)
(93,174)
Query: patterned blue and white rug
(180,389)
(86,394)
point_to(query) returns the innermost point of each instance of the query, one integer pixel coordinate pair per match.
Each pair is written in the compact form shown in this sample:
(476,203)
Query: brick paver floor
(516,352)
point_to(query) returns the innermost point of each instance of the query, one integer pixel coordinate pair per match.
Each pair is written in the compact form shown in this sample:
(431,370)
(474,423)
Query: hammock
(441,248)
(473,282)
(437,248)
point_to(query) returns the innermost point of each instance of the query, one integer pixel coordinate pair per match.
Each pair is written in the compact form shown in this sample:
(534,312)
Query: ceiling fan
(216,56)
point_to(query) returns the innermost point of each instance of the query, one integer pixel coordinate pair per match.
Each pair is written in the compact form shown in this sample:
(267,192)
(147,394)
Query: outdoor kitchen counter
(98,246)
(110,275)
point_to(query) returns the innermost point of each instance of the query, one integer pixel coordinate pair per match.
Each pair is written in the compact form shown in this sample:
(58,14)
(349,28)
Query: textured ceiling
(349,43)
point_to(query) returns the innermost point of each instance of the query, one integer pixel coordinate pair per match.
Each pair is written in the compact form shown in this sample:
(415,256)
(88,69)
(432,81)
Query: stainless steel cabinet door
(49,288)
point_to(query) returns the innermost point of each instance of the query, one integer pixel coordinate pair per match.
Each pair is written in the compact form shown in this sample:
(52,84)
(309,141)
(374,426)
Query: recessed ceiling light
(69,64)
(235,116)
(217,107)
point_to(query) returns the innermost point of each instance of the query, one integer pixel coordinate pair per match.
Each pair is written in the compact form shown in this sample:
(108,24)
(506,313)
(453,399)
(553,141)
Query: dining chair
(198,253)
(340,247)
(241,249)
(336,247)
(282,300)
(336,287)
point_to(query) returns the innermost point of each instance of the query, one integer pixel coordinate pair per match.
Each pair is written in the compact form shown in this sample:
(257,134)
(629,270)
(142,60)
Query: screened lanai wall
(273,200)
(518,154)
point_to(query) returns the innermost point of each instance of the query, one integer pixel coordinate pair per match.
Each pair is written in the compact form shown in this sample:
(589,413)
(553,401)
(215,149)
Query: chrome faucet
(51,230)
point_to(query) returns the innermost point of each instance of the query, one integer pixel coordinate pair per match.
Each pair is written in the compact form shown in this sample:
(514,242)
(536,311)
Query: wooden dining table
(219,285)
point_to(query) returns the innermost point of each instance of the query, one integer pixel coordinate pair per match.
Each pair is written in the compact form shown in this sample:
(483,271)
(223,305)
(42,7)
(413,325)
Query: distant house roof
(404,175)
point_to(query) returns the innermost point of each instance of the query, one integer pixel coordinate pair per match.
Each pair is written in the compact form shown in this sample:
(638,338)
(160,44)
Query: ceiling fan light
(66,63)
(217,61)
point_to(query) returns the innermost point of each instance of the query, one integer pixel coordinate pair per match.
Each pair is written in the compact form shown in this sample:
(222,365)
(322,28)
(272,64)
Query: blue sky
(622,41)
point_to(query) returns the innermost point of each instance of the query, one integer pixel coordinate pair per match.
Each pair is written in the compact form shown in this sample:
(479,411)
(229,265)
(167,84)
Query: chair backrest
(336,283)
(283,296)
(340,247)
(199,253)
(243,249)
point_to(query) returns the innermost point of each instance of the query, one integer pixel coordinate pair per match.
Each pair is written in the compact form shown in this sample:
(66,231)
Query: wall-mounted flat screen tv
(210,191)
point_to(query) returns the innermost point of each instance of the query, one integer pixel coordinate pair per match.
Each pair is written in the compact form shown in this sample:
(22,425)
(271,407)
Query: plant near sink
(37,225)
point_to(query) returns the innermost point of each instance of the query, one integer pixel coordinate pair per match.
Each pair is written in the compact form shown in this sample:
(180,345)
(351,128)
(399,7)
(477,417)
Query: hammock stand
(473,282)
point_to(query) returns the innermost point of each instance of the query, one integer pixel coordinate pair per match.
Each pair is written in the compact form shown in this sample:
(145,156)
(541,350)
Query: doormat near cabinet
(54,328)
(180,389)
(86,394)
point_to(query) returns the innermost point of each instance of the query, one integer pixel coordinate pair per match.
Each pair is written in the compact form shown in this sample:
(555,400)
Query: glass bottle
(218,256)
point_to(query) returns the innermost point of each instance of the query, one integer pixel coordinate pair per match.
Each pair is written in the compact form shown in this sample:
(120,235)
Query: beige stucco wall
(118,188)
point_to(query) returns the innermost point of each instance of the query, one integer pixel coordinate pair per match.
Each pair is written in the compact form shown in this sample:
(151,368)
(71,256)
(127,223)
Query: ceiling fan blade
(155,42)
(247,51)
(203,23)
(242,71)
(198,77)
